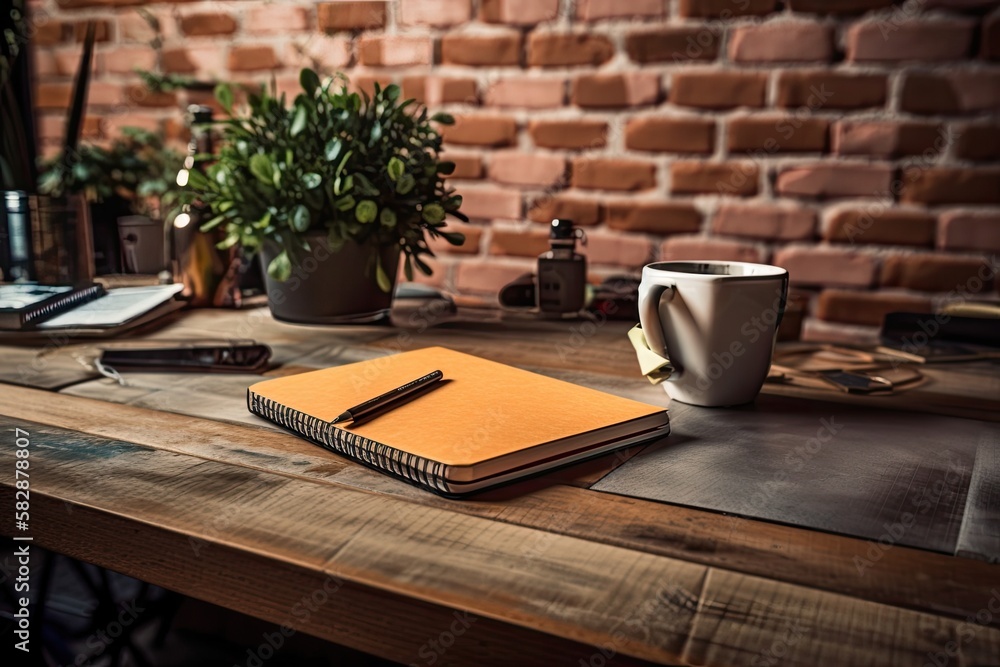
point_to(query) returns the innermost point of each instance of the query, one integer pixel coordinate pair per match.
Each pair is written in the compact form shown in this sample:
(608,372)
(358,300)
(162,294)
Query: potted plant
(133,176)
(331,189)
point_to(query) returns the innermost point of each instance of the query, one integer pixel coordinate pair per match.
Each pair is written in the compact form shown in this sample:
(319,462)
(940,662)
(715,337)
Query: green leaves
(261,167)
(387,217)
(357,168)
(280,267)
(395,169)
(405,184)
(433,213)
(299,123)
(381,277)
(366,211)
(311,180)
(332,149)
(309,81)
(300,218)
(224,95)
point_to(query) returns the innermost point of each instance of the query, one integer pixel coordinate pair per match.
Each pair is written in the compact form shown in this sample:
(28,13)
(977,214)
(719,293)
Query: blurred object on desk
(928,338)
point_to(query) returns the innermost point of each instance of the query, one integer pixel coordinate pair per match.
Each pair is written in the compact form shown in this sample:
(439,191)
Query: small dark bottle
(562,272)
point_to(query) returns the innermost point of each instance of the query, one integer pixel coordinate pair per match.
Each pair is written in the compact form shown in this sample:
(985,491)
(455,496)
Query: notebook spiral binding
(67,303)
(414,469)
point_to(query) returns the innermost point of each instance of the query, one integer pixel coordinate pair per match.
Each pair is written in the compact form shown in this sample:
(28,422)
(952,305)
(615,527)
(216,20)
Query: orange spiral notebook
(486,424)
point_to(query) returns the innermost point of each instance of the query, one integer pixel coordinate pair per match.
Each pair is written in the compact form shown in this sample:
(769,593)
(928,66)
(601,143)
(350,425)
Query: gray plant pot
(331,287)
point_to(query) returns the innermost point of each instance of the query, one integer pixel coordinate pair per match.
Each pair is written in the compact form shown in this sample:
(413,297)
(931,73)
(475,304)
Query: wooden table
(169,480)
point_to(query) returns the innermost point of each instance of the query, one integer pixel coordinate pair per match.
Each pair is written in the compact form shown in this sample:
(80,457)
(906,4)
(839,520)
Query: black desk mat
(913,479)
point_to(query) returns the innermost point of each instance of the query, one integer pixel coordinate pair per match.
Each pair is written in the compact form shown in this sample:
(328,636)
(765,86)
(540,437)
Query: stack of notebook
(485,425)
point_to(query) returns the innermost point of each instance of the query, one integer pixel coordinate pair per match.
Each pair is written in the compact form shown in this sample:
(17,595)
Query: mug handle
(650,316)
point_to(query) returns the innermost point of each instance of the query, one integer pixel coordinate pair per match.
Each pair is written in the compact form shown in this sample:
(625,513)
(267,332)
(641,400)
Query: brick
(837,305)
(688,248)
(672,44)
(395,51)
(527,93)
(969,230)
(718,90)
(333,16)
(938,273)
(518,12)
(989,39)
(670,134)
(45,64)
(597,10)
(551,49)
(328,53)
(654,217)
(438,13)
(490,202)
(114,124)
(68,61)
(782,41)
(209,59)
(519,241)
(886,139)
(141,96)
(980,143)
(616,91)
(823,181)
(104,94)
(473,240)
(942,185)
(441,270)
(817,89)
(50,33)
(582,211)
(725,8)
(826,266)
(437,90)
(489,277)
(837,6)
(53,95)
(880,226)
(778,223)
(252,58)
(132,27)
(125,60)
(909,40)
(209,23)
(481,130)
(481,50)
(275,18)
(622,250)
(102,31)
(956,92)
(536,169)
(778,134)
(366,84)
(613,174)
(467,165)
(569,133)
(732,178)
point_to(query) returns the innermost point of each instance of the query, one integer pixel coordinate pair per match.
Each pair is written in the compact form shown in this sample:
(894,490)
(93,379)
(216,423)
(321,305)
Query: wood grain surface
(255,519)
(192,518)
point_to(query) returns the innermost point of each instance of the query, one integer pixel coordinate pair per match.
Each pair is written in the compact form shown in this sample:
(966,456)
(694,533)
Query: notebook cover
(24,305)
(482,410)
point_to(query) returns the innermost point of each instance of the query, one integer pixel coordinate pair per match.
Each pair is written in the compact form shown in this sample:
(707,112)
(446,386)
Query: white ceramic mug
(716,322)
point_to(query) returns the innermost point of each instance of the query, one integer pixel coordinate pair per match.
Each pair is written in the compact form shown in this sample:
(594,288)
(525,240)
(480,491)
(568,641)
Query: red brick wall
(855,142)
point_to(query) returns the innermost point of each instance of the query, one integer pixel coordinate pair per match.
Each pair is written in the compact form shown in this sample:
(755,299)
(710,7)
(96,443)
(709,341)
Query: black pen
(388,400)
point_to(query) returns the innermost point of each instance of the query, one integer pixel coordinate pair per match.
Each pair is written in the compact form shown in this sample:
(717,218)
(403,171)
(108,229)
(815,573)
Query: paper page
(116,307)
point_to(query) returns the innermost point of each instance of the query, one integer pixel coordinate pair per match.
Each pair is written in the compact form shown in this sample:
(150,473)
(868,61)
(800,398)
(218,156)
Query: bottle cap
(199,113)
(562,228)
